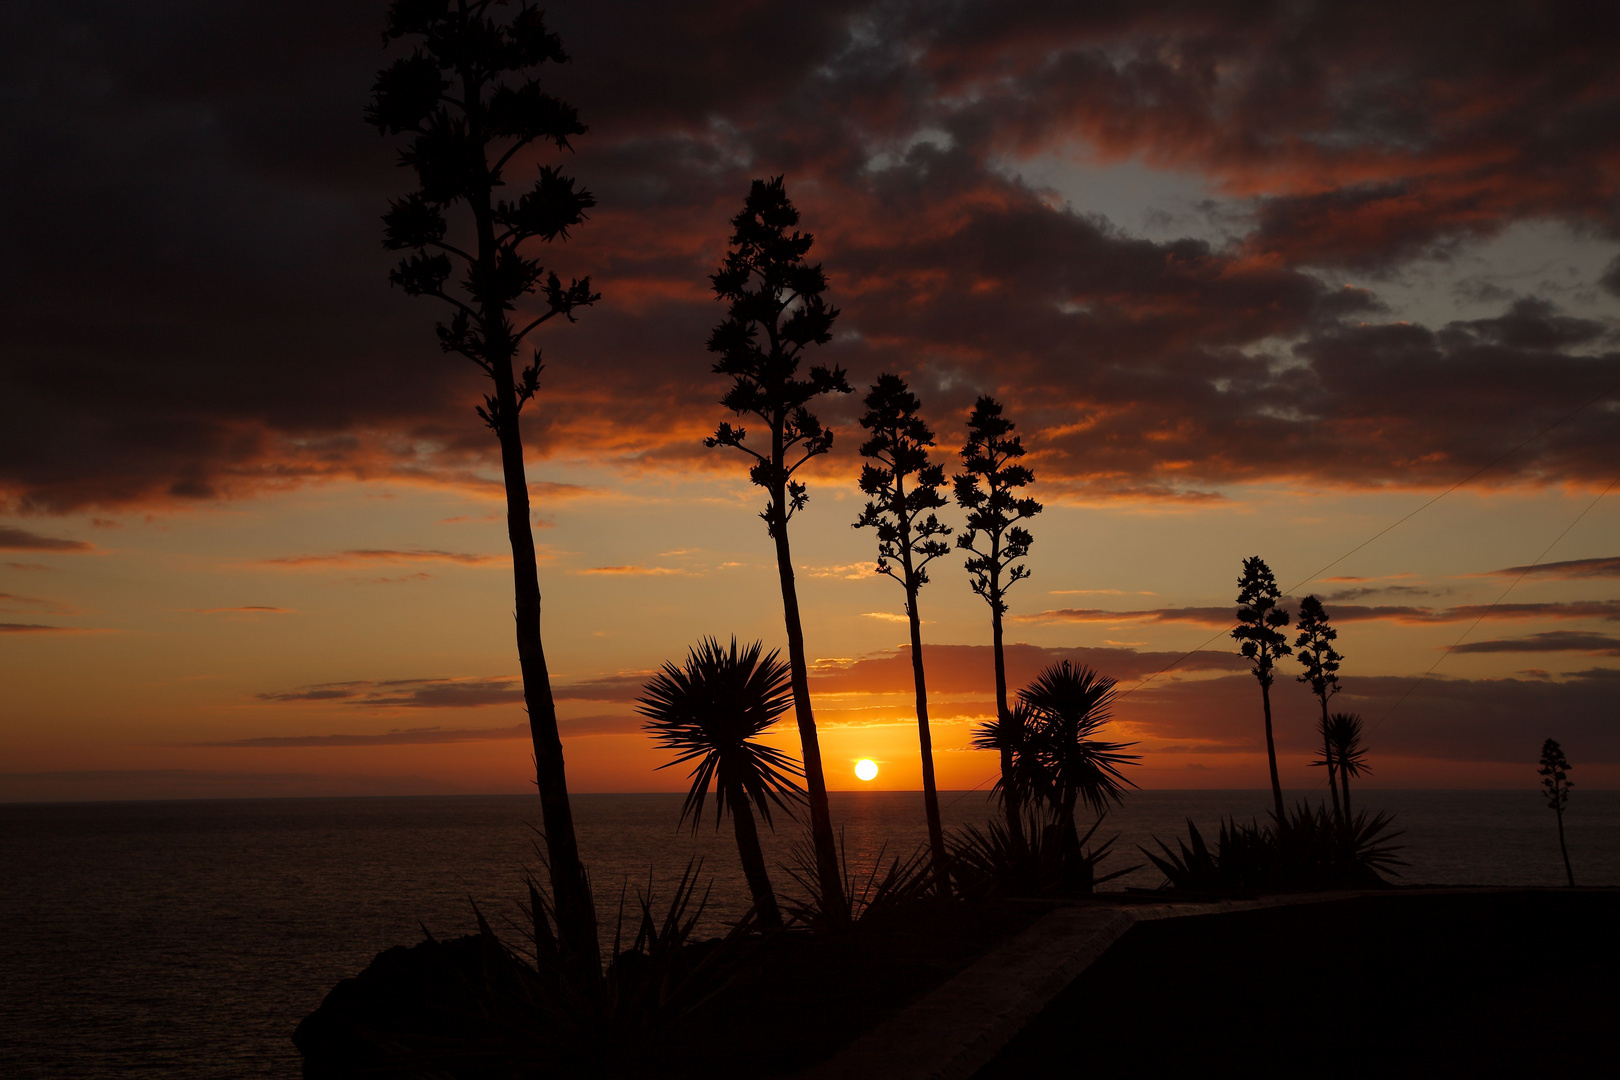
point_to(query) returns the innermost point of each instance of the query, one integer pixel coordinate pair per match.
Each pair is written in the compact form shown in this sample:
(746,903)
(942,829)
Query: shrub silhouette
(987,489)
(1307,850)
(1259,628)
(773,292)
(470,101)
(1555,784)
(897,455)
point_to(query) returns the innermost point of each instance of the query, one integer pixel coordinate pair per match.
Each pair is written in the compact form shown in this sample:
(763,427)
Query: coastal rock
(437,1009)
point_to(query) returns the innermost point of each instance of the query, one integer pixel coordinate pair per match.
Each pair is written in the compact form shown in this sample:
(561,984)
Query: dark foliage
(710,712)
(1014,736)
(1069,704)
(897,456)
(1341,740)
(881,891)
(476,1009)
(1307,850)
(1040,860)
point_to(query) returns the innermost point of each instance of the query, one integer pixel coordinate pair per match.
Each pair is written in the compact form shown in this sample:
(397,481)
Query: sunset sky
(1251,279)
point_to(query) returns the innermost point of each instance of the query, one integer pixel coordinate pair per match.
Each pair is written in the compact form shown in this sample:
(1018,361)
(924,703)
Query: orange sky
(1247,284)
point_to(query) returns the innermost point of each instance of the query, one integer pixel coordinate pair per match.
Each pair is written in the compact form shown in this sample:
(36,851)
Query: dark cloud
(22,540)
(970,669)
(1361,592)
(408,693)
(1606,567)
(196,303)
(578,726)
(120,784)
(364,556)
(408,737)
(1342,613)
(1551,641)
(1611,277)
(33,628)
(1481,720)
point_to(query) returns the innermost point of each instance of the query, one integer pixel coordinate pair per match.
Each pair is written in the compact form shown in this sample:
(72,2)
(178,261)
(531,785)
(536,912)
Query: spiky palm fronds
(710,712)
(1016,736)
(1071,704)
(1343,736)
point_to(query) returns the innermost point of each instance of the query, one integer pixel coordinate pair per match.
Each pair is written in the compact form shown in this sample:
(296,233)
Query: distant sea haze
(186,939)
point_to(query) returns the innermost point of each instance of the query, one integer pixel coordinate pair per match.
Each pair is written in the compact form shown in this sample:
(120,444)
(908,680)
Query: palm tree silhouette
(709,713)
(1071,704)
(1343,738)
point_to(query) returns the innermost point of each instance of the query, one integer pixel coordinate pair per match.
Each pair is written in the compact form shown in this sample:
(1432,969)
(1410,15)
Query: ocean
(187,939)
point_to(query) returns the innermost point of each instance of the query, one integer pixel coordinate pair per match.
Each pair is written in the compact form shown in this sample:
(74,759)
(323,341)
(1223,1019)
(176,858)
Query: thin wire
(1408,517)
(1393,525)
(1482,615)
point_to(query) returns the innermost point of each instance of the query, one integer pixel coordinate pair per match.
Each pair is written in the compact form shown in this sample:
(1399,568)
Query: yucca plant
(710,712)
(1342,734)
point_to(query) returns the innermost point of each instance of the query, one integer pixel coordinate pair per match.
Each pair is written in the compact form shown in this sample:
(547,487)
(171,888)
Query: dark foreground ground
(1489,984)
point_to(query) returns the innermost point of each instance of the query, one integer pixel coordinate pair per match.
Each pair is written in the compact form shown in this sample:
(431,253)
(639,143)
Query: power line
(1482,615)
(1381,532)
(1393,525)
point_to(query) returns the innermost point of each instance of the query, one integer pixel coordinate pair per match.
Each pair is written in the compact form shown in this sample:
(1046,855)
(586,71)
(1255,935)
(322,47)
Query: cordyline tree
(904,488)
(1349,756)
(987,489)
(1314,649)
(710,712)
(1071,703)
(468,97)
(1260,628)
(777,311)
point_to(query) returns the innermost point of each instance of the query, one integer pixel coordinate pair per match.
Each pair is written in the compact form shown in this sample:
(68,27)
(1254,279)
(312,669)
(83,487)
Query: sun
(866,768)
